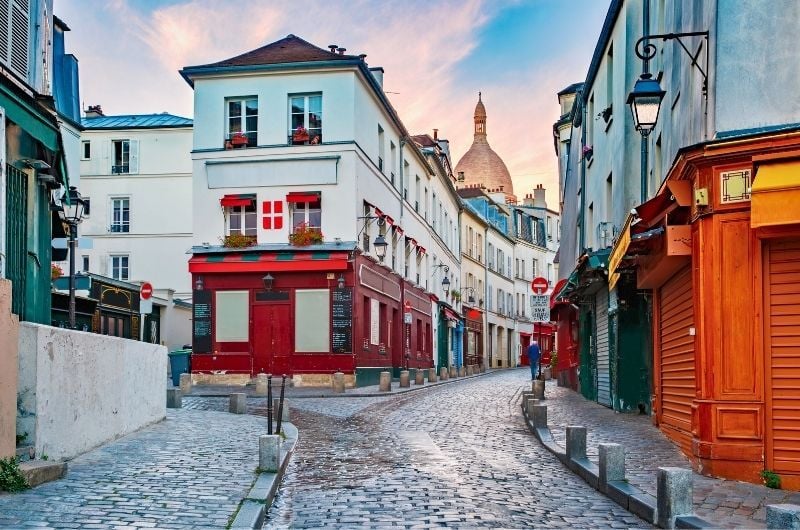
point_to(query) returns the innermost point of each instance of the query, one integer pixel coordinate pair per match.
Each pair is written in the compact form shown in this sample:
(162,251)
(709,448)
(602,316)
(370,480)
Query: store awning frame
(268,262)
(775,193)
(237,199)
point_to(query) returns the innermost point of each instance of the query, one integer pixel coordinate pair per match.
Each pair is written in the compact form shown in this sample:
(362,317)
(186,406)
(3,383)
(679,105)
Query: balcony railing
(118,170)
(117,228)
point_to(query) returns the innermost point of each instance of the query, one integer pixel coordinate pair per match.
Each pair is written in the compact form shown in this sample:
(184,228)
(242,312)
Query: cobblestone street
(459,455)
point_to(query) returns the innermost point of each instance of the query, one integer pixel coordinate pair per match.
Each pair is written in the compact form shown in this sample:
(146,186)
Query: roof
(614,10)
(424,140)
(571,89)
(290,49)
(136,121)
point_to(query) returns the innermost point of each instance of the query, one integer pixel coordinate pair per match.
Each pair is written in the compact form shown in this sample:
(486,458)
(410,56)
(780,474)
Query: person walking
(533,356)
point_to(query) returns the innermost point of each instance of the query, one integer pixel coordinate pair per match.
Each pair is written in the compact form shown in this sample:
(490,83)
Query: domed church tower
(481,165)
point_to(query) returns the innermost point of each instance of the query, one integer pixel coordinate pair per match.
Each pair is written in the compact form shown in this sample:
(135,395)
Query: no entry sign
(539,285)
(146,291)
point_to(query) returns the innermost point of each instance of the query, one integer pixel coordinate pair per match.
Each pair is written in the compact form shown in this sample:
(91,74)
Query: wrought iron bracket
(646,50)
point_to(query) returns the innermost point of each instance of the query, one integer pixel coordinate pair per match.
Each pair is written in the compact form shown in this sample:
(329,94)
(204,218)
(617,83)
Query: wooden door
(782,335)
(677,357)
(271,339)
(603,372)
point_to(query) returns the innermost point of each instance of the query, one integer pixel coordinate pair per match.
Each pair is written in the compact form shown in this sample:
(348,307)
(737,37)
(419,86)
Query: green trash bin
(179,363)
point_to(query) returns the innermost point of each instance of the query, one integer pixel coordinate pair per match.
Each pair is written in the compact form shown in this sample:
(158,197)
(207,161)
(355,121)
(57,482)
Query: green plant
(771,479)
(554,360)
(11,478)
(304,235)
(45,457)
(55,272)
(238,241)
(21,438)
(456,295)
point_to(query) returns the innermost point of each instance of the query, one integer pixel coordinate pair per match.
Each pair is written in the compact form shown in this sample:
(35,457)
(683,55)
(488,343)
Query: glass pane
(297,121)
(232,316)
(250,207)
(250,222)
(312,311)
(315,218)
(235,222)
(251,123)
(314,121)
(298,105)
(234,125)
(315,104)
(298,218)
(234,108)
(251,107)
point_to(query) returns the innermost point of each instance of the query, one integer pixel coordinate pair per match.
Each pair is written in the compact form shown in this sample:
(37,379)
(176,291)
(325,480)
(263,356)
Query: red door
(271,339)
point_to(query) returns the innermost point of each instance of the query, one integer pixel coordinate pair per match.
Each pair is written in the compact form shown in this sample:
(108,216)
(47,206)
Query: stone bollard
(238,403)
(462,372)
(540,416)
(547,373)
(538,389)
(174,400)
(338,383)
(783,516)
(443,373)
(276,404)
(386,382)
(531,402)
(261,385)
(576,442)
(405,381)
(611,464)
(453,372)
(419,377)
(269,453)
(673,495)
(470,370)
(186,384)
(432,375)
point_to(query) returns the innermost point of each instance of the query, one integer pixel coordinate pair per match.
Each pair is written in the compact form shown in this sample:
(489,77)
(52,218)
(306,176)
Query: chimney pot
(333,47)
(341,50)
(362,56)
(436,134)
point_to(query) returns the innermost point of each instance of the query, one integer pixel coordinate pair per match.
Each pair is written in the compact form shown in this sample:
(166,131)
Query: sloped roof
(136,121)
(290,49)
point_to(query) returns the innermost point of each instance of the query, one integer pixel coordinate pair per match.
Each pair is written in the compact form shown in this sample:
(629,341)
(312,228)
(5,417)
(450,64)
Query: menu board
(201,322)
(342,320)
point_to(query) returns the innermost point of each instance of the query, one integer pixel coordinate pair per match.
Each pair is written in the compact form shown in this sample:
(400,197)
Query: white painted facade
(473,269)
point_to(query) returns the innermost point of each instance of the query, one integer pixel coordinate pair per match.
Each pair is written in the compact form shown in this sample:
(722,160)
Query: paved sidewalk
(189,471)
(727,503)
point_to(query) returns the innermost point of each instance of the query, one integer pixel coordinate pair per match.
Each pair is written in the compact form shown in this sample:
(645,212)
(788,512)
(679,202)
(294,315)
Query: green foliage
(771,479)
(45,457)
(554,359)
(21,438)
(11,478)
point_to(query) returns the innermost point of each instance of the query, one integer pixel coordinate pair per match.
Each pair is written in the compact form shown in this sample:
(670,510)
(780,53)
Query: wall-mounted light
(341,281)
(446,285)
(198,284)
(268,281)
(380,245)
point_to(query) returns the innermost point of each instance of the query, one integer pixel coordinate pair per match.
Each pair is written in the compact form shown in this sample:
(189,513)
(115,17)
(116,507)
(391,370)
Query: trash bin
(179,364)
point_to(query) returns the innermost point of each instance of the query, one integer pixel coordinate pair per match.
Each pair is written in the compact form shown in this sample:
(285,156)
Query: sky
(436,54)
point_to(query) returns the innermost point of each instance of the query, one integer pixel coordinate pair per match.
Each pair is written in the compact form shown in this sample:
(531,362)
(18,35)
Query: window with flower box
(241,122)
(305,119)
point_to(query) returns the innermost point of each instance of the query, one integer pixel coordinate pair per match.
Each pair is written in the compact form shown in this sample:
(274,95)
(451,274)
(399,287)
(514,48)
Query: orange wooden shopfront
(726,323)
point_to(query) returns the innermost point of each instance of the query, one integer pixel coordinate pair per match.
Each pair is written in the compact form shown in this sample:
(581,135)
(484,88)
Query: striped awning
(268,262)
(308,196)
(237,199)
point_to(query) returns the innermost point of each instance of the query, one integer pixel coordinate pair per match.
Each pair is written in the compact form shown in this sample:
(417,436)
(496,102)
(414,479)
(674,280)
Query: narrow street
(458,455)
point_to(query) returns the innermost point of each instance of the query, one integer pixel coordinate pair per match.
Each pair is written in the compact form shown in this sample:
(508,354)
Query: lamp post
(380,245)
(73,215)
(268,281)
(446,285)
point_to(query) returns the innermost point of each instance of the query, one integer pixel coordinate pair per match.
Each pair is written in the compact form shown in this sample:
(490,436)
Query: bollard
(576,442)
(783,516)
(547,373)
(269,453)
(443,373)
(453,372)
(540,416)
(538,389)
(186,384)
(470,370)
(673,495)
(462,371)
(385,382)
(419,378)
(531,402)
(238,403)
(261,385)
(338,383)
(611,464)
(174,400)
(284,413)
(432,375)
(405,382)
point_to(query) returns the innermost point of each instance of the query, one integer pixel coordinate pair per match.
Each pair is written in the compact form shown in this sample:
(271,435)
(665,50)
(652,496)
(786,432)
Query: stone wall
(78,390)
(9,329)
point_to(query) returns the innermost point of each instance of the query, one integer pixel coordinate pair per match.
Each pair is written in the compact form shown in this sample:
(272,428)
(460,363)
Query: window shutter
(20,37)
(134,157)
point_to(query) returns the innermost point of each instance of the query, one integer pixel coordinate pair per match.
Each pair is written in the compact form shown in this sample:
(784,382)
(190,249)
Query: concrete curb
(253,508)
(626,495)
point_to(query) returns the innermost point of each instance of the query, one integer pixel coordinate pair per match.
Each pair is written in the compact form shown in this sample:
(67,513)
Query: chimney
(436,135)
(377,73)
(94,111)
(528,200)
(332,47)
(362,56)
(341,50)
(539,197)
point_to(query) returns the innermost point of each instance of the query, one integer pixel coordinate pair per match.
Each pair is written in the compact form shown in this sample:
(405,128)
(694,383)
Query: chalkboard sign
(201,322)
(342,320)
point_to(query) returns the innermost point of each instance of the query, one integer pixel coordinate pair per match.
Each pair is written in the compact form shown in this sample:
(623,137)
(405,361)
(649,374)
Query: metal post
(269,403)
(73,228)
(280,406)
(539,343)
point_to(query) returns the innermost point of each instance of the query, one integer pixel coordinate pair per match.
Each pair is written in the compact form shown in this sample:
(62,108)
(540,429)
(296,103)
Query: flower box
(304,235)
(300,135)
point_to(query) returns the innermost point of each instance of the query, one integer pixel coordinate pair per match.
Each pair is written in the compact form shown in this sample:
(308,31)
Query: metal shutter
(603,375)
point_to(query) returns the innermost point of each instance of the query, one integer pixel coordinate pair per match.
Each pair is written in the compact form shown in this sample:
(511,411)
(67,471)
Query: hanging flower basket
(305,235)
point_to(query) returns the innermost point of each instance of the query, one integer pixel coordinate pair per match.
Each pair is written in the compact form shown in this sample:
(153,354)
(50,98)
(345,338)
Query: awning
(308,196)
(450,314)
(618,252)
(421,249)
(268,262)
(30,117)
(598,259)
(563,288)
(238,199)
(775,199)
(675,193)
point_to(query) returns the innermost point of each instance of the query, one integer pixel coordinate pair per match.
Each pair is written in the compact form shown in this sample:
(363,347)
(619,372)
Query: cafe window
(232,316)
(312,311)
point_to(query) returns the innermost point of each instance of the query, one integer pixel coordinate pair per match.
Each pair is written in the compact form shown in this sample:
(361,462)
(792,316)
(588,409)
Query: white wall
(78,390)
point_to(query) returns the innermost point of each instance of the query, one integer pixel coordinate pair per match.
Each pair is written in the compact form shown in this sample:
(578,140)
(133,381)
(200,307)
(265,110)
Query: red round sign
(407,305)
(146,290)
(539,285)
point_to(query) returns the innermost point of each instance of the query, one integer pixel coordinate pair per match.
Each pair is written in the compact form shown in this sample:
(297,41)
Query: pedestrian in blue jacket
(534,353)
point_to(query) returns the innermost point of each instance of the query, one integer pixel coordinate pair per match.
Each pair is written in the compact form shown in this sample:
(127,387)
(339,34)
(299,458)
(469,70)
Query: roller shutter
(603,375)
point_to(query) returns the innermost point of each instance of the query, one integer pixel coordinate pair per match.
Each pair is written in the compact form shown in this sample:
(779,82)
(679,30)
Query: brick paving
(189,471)
(726,503)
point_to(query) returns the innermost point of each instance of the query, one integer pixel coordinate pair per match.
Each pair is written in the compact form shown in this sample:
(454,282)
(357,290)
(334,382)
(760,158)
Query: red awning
(309,196)
(268,262)
(421,249)
(389,220)
(450,314)
(474,314)
(239,199)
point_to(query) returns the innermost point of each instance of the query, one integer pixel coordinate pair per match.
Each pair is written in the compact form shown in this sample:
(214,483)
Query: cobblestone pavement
(189,471)
(457,455)
(727,503)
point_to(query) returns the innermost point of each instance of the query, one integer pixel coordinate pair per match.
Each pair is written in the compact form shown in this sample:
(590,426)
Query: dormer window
(305,118)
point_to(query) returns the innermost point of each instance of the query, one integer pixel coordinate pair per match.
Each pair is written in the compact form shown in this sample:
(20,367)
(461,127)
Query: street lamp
(198,284)
(268,281)
(73,215)
(471,297)
(446,285)
(380,245)
(645,102)
(340,281)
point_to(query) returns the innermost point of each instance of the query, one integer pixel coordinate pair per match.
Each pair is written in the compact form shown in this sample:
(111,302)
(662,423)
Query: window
(312,310)
(407,262)
(305,119)
(122,157)
(87,203)
(85,265)
(550,273)
(232,321)
(120,267)
(120,215)
(549,228)
(381,148)
(308,213)
(392,160)
(242,121)
(241,220)
(417,186)
(86,150)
